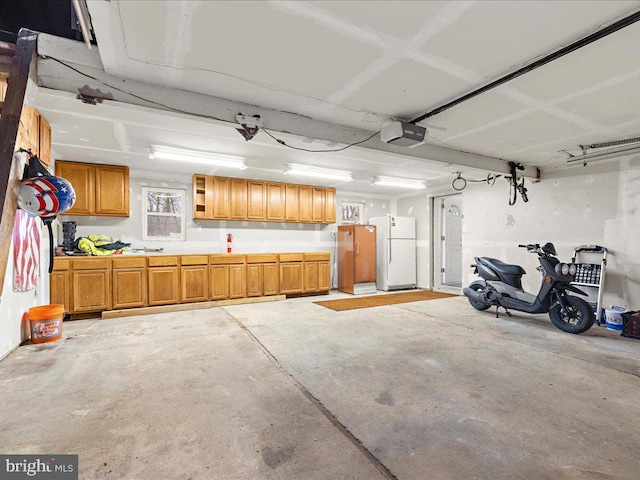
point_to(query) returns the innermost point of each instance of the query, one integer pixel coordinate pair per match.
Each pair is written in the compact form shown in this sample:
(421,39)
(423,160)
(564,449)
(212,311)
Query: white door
(402,262)
(451,247)
(402,227)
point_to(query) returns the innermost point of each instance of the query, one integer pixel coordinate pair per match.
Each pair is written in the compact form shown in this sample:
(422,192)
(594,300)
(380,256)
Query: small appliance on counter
(68,235)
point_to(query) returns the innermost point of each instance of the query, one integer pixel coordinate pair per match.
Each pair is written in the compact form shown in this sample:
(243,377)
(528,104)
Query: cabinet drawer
(61,264)
(223,259)
(90,264)
(316,257)
(138,262)
(262,258)
(162,261)
(194,260)
(291,257)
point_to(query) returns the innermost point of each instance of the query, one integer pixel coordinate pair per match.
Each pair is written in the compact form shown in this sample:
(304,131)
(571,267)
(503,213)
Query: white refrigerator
(396,252)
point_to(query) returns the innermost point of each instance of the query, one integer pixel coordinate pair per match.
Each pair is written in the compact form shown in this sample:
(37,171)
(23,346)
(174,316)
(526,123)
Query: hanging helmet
(46,196)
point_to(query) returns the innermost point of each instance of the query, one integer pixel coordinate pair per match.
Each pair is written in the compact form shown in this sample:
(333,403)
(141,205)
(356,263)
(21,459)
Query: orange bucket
(46,323)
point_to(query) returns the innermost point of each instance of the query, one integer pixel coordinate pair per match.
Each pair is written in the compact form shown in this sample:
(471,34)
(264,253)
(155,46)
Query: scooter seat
(502,267)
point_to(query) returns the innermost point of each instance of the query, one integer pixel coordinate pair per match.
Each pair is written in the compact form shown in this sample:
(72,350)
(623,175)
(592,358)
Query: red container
(46,323)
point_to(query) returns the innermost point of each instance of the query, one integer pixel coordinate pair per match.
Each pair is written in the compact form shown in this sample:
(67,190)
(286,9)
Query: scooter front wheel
(578,317)
(478,286)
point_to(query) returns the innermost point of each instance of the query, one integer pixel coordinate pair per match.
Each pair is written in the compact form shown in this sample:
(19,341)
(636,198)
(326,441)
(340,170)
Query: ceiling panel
(494,37)
(399,19)
(406,89)
(603,62)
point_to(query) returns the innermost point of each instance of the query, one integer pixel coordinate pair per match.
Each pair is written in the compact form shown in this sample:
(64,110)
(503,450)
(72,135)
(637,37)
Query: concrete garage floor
(292,390)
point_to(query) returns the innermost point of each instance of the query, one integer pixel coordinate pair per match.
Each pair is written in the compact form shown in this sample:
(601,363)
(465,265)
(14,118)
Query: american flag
(26,251)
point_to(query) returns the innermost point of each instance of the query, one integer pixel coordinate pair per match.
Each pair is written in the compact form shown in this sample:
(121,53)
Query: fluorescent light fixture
(606,154)
(190,156)
(317,172)
(398,182)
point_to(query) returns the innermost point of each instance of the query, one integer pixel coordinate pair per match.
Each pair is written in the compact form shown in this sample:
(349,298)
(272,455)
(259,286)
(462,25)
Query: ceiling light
(606,154)
(398,182)
(316,172)
(213,159)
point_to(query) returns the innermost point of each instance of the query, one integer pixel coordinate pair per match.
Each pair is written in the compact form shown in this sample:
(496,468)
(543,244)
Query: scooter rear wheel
(578,316)
(478,286)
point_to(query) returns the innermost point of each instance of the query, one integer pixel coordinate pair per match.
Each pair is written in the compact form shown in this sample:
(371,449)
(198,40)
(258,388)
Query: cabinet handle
(357,248)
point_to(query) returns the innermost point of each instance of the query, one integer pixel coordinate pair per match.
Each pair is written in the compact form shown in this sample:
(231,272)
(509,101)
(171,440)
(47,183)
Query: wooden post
(10,173)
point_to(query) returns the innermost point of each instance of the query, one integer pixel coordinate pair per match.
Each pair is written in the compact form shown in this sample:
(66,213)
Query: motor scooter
(502,286)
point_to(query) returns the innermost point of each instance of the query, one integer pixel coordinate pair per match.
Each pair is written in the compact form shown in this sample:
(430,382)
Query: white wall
(13,305)
(598,204)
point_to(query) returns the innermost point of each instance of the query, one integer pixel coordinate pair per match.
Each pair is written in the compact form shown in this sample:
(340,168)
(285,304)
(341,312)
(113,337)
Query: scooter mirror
(549,248)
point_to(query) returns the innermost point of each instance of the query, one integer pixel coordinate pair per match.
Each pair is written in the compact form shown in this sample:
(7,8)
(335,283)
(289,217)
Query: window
(352,212)
(163,214)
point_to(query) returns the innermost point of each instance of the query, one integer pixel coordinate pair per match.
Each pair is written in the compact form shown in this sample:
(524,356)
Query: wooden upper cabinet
(275,202)
(256,202)
(112,190)
(305,204)
(222,198)
(44,146)
(238,194)
(317,211)
(221,207)
(100,189)
(330,205)
(291,203)
(81,177)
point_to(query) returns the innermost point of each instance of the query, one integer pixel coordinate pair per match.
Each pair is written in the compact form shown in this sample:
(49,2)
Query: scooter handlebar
(530,246)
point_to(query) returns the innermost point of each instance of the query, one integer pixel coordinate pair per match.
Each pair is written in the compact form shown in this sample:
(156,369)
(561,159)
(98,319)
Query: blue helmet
(46,196)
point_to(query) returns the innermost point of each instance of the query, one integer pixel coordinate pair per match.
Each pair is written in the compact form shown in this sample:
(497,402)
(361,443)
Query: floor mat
(378,300)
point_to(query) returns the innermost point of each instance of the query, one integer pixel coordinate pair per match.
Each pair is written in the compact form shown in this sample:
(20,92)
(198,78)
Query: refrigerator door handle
(389,242)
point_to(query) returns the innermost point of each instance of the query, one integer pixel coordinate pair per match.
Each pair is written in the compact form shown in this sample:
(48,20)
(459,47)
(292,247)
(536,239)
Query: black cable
(282,142)
(177,110)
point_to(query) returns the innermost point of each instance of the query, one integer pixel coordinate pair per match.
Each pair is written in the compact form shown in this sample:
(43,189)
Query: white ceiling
(357,64)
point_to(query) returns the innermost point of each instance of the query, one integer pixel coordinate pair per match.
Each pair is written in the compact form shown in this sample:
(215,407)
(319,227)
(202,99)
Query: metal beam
(67,65)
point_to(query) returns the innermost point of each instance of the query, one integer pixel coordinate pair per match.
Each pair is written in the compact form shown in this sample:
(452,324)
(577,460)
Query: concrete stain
(275,458)
(510,221)
(385,398)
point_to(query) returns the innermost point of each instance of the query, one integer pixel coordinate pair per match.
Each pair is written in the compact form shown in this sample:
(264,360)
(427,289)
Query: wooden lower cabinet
(91,289)
(60,289)
(291,275)
(164,285)
(228,280)
(262,275)
(96,284)
(129,282)
(194,281)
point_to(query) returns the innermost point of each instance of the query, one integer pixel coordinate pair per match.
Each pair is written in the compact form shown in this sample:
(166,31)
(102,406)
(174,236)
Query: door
(401,269)
(401,227)
(450,242)
(364,249)
(112,190)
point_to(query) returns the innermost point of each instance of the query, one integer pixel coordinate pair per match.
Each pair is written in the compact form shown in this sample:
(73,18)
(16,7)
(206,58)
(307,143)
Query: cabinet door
(256,204)
(311,277)
(81,177)
(305,204)
(44,147)
(237,281)
(254,280)
(91,290)
(194,281)
(164,285)
(291,277)
(270,279)
(324,276)
(219,276)
(317,212)
(221,207)
(34,131)
(60,289)
(330,205)
(275,202)
(112,190)
(129,287)
(238,199)
(291,203)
